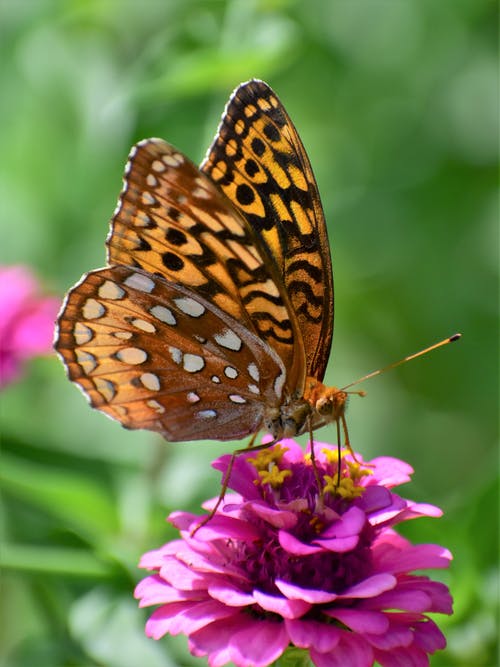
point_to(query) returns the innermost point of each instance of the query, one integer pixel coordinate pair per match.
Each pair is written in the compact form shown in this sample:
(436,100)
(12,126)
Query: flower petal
(352,651)
(371,587)
(154,590)
(405,657)
(314,596)
(259,644)
(360,621)
(294,546)
(229,594)
(313,634)
(280,605)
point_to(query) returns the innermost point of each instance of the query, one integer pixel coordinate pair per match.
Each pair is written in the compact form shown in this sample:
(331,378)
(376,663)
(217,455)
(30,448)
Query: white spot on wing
(254,389)
(110,290)
(193,397)
(158,407)
(229,340)
(163,314)
(175,353)
(230,372)
(106,388)
(172,159)
(123,335)
(278,384)
(82,333)
(215,379)
(189,306)
(236,398)
(132,355)
(206,414)
(86,360)
(143,325)
(157,166)
(193,363)
(254,371)
(150,381)
(148,199)
(92,309)
(140,282)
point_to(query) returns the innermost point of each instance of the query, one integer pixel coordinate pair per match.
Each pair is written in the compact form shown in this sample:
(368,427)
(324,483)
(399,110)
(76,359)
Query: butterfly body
(214,316)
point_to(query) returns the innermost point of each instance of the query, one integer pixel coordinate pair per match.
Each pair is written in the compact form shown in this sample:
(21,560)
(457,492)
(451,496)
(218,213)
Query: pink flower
(26,321)
(280,566)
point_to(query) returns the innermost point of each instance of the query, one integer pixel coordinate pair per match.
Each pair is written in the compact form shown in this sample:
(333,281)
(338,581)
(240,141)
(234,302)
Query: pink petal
(214,639)
(222,527)
(371,587)
(280,605)
(405,657)
(360,621)
(180,576)
(243,475)
(340,544)
(351,523)
(415,600)
(397,636)
(417,557)
(313,634)
(314,596)
(389,472)
(259,645)
(374,499)
(294,546)
(351,651)
(429,637)
(153,590)
(230,594)
(158,624)
(194,616)
(152,560)
(274,517)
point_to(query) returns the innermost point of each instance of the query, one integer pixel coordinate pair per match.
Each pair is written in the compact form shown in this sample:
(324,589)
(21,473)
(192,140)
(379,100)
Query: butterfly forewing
(258,160)
(155,355)
(172,221)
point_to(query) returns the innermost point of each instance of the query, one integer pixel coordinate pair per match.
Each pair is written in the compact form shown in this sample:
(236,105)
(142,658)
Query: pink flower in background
(279,566)
(26,321)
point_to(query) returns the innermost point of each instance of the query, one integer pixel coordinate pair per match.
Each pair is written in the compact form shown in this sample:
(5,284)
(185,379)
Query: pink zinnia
(26,321)
(278,566)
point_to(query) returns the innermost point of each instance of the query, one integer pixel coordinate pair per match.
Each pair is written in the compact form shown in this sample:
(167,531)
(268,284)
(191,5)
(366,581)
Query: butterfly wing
(153,354)
(259,162)
(172,221)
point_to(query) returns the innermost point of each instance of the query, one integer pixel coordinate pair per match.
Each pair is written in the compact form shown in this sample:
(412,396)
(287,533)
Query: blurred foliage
(396,102)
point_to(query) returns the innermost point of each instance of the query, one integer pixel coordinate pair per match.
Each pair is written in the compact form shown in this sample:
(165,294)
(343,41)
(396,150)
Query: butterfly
(213,318)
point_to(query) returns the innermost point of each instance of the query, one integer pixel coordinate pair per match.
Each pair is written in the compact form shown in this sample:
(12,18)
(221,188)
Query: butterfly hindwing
(155,355)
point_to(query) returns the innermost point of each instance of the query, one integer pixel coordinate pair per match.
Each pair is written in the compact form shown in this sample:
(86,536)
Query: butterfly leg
(313,462)
(227,476)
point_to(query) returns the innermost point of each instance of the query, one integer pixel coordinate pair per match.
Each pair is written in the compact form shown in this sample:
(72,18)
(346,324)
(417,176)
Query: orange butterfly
(214,316)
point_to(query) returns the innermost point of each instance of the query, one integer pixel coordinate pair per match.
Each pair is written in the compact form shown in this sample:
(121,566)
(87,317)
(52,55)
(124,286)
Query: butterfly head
(329,403)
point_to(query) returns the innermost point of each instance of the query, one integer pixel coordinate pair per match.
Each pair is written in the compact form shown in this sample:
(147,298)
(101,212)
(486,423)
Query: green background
(396,103)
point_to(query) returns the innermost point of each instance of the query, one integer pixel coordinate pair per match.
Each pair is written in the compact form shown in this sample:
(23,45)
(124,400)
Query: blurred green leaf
(70,497)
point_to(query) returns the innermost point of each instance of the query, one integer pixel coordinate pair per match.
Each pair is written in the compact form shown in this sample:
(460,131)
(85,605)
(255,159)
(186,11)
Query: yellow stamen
(332,455)
(356,471)
(275,477)
(263,459)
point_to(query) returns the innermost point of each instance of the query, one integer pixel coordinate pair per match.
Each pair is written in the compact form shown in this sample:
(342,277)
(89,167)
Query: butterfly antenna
(445,341)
